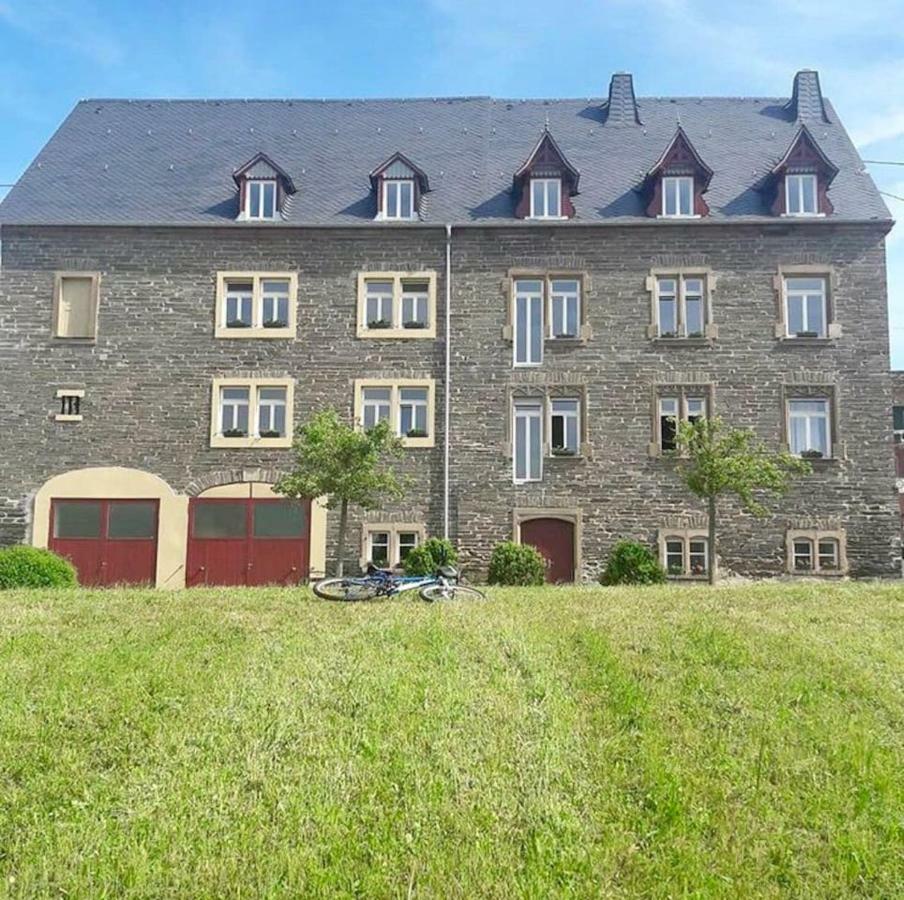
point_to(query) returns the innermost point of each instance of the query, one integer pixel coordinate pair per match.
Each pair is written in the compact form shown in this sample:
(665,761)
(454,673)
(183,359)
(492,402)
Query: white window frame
(59,302)
(802,295)
(545,213)
(532,411)
(254,386)
(394,530)
(534,322)
(685,537)
(567,415)
(270,406)
(402,215)
(681,295)
(395,386)
(564,299)
(382,407)
(674,183)
(815,538)
(257,329)
(825,415)
(684,399)
(261,183)
(414,406)
(798,192)
(401,283)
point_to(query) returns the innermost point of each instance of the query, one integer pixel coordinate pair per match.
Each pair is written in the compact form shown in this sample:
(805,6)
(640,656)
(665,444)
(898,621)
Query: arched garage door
(554,538)
(247,541)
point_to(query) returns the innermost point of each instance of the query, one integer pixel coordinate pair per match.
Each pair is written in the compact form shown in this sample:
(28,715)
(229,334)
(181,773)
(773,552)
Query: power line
(883,162)
(893,196)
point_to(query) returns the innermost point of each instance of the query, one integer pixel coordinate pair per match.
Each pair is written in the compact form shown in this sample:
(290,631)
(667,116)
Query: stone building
(532,292)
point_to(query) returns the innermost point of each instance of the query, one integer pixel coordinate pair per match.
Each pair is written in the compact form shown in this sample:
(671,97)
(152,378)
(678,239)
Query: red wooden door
(554,538)
(108,541)
(247,541)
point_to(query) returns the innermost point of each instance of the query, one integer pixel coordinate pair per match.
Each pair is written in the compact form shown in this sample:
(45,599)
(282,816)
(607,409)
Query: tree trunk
(712,541)
(343,521)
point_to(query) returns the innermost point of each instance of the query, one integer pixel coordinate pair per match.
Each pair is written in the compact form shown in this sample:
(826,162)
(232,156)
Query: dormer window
(546,198)
(544,185)
(677,196)
(261,199)
(263,189)
(675,185)
(801,195)
(398,198)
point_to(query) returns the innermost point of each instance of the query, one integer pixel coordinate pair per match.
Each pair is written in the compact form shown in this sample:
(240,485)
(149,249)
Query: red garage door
(247,541)
(108,541)
(554,538)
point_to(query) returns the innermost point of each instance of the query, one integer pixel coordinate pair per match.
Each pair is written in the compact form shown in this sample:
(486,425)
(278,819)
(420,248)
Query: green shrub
(518,564)
(426,558)
(631,562)
(29,567)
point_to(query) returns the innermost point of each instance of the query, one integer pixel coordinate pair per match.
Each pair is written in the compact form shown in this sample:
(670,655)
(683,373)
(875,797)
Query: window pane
(406,196)
(674,556)
(219,520)
(536,330)
(75,317)
(379,547)
(553,200)
(694,311)
(795,314)
(538,198)
(269,201)
(132,520)
(408,540)
(76,519)
(803,555)
(815,314)
(281,519)
(392,199)
(696,408)
(668,316)
(697,557)
(254,199)
(685,196)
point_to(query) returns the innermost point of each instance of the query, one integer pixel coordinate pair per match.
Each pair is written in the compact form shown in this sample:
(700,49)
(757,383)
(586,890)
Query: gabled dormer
(676,183)
(263,188)
(798,185)
(545,184)
(399,185)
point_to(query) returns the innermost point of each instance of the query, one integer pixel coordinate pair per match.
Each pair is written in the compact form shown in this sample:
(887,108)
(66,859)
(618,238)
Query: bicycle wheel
(438,592)
(345,589)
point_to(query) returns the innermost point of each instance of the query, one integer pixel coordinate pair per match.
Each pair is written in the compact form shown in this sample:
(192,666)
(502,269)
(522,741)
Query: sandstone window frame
(394,531)
(399,279)
(682,274)
(62,312)
(684,393)
(811,392)
(787,271)
(257,329)
(546,276)
(395,387)
(816,537)
(687,537)
(254,386)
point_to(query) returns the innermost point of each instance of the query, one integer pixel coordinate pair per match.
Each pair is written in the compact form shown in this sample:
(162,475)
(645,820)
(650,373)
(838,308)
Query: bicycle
(384,583)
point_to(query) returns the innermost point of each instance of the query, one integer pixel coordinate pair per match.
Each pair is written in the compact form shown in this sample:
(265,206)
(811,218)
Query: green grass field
(733,742)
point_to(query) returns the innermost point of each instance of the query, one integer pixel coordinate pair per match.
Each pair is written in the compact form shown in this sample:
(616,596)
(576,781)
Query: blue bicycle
(384,583)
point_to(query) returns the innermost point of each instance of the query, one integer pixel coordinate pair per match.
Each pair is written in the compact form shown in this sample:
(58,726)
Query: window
(256,305)
(898,423)
(252,413)
(75,305)
(278,519)
(805,307)
(565,303)
(528,441)
(816,552)
(70,405)
(398,198)
(677,196)
(76,519)
(801,197)
(565,426)
(387,544)
(809,428)
(528,323)
(407,405)
(673,409)
(397,305)
(546,198)
(261,199)
(681,308)
(685,554)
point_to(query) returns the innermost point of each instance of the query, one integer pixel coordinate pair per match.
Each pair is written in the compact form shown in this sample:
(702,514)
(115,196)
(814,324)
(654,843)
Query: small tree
(343,464)
(721,460)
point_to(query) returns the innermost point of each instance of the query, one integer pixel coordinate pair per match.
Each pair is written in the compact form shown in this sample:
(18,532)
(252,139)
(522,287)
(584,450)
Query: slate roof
(170,162)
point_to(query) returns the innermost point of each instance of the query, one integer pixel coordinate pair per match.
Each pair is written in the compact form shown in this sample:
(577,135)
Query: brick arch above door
(204,483)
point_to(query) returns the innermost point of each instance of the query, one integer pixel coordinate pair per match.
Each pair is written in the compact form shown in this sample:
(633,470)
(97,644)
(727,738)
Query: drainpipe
(447,396)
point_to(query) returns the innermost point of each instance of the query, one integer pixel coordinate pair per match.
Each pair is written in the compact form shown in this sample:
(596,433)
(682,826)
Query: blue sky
(52,53)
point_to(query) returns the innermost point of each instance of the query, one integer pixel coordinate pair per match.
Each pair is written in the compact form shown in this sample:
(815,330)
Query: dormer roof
(399,166)
(546,160)
(261,166)
(805,154)
(681,157)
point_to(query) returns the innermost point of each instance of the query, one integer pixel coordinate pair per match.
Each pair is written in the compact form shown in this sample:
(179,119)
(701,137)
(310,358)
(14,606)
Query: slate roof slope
(162,162)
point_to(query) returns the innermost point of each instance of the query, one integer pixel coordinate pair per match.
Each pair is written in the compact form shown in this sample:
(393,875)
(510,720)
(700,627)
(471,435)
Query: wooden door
(554,538)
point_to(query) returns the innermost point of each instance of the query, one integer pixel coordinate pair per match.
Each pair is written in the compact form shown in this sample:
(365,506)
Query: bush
(426,558)
(632,563)
(517,564)
(30,567)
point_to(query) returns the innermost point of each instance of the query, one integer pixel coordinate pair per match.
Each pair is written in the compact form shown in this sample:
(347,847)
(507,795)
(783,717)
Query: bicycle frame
(392,585)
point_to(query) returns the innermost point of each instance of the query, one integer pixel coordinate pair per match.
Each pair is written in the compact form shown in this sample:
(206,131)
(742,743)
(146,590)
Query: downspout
(447,395)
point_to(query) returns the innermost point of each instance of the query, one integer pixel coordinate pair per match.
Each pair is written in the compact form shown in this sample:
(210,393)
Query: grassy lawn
(742,741)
